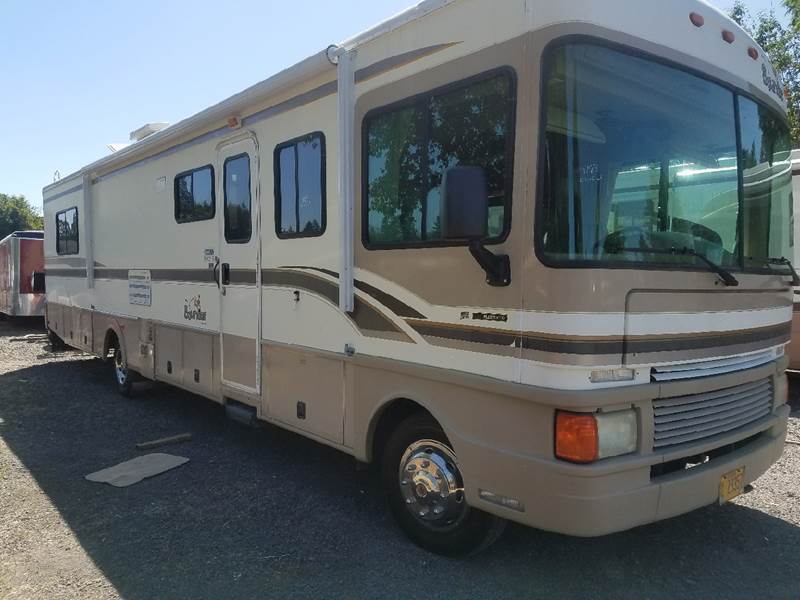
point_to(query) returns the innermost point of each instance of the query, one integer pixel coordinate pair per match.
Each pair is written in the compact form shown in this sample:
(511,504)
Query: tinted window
(409,148)
(194,195)
(238,219)
(641,165)
(67,231)
(300,187)
(767,204)
(638,156)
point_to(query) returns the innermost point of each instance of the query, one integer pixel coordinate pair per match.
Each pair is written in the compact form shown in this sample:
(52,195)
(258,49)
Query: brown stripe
(610,345)
(297,279)
(65,261)
(243,277)
(80,273)
(398,307)
(366,317)
(164,275)
(183,275)
(777,333)
(111,274)
(395,62)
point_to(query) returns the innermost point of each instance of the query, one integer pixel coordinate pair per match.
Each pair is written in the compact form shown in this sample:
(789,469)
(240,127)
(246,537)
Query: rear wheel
(425,487)
(122,375)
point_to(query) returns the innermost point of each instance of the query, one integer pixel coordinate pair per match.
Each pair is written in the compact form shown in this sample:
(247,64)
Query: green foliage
(17,214)
(793,9)
(783,46)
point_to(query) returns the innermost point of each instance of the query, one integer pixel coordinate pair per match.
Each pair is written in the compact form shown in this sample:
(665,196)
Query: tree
(17,214)
(782,44)
(793,8)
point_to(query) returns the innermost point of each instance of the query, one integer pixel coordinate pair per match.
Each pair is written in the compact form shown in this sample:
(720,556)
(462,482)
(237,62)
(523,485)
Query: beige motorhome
(523,255)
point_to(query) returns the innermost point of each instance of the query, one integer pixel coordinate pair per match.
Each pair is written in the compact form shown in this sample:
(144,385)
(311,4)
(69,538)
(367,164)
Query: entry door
(238,265)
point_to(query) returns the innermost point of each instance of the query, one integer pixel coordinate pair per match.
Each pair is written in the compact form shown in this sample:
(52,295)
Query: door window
(238,213)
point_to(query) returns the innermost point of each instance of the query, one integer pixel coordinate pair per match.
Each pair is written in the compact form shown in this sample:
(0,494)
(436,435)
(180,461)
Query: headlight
(586,438)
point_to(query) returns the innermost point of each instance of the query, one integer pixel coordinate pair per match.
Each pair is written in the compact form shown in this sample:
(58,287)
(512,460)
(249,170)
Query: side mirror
(465,217)
(38,283)
(465,204)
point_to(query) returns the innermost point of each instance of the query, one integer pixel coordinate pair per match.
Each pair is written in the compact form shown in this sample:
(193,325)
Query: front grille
(692,418)
(707,368)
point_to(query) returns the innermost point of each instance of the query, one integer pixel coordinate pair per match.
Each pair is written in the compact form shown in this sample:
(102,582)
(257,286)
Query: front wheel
(425,489)
(122,375)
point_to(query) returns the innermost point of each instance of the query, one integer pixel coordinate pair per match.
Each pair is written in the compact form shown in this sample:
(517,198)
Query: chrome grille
(692,418)
(707,368)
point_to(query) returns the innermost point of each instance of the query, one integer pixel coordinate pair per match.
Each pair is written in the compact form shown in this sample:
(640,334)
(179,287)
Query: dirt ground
(264,513)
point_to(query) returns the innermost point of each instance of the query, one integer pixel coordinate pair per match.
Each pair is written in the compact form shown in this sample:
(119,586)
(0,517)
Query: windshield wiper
(725,276)
(783,262)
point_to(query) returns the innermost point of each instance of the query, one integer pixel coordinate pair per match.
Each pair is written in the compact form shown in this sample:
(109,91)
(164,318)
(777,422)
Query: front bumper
(619,494)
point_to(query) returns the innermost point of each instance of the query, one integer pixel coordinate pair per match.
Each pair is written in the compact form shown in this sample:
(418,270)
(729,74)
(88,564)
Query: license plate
(731,485)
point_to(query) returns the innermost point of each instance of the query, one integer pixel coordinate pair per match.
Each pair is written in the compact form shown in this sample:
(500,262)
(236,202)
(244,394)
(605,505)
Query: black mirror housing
(465,204)
(465,217)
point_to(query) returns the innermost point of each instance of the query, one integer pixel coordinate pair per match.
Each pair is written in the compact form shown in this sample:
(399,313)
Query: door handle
(225,274)
(216,272)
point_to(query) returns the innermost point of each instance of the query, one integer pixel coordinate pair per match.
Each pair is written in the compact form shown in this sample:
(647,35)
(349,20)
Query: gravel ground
(264,513)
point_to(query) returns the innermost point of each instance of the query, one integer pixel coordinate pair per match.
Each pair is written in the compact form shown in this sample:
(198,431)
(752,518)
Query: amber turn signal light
(577,439)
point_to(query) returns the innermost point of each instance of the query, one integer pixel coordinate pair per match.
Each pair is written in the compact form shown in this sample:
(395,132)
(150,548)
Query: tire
(123,377)
(425,492)
(56,343)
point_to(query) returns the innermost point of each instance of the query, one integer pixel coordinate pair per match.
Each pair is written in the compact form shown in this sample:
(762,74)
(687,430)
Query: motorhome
(525,256)
(22,274)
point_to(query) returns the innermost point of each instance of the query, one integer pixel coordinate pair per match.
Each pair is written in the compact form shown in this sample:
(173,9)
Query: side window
(300,187)
(409,147)
(67,231)
(768,200)
(238,214)
(194,195)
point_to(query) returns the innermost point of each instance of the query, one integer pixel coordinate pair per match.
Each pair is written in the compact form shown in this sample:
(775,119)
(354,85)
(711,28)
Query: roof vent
(147,130)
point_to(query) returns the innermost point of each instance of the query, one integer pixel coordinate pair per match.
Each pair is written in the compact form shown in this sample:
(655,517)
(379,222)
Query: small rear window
(194,195)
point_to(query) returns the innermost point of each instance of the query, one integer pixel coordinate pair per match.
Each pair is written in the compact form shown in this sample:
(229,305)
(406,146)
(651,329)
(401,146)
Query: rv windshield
(641,156)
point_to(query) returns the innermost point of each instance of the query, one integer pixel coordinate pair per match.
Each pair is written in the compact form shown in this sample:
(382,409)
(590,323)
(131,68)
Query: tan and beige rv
(526,256)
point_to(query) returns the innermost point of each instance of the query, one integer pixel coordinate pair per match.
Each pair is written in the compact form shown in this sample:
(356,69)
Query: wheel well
(111,341)
(394,413)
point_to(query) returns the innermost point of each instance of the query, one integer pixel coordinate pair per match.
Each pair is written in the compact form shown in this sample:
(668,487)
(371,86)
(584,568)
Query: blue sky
(76,75)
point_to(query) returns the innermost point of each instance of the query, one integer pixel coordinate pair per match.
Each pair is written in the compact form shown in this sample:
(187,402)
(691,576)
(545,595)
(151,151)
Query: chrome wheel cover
(120,369)
(431,485)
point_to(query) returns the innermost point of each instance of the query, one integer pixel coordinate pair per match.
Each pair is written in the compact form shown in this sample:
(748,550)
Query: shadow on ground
(264,513)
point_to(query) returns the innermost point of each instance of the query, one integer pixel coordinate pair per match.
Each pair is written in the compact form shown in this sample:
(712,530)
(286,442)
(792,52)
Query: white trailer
(525,255)
(22,274)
